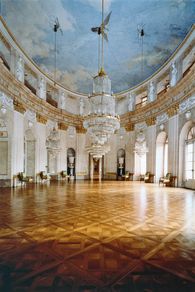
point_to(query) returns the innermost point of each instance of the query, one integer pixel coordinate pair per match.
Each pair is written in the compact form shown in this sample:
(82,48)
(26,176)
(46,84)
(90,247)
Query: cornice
(168,102)
(21,94)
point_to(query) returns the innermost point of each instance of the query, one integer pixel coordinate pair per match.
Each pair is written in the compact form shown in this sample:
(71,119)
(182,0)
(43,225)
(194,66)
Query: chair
(44,176)
(167,180)
(64,175)
(23,178)
(149,177)
(126,175)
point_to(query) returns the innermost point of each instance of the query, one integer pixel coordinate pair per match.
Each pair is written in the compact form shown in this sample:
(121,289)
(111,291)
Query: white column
(151,144)
(82,160)
(129,150)
(100,168)
(173,145)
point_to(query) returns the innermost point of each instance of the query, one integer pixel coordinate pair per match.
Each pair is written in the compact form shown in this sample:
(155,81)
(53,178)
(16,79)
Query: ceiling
(165,25)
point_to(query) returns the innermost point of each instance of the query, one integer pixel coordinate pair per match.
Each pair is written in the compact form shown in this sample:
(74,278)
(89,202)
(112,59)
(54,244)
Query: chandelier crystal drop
(102,120)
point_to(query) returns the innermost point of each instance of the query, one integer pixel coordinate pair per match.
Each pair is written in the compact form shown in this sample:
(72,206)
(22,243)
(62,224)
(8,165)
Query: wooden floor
(109,236)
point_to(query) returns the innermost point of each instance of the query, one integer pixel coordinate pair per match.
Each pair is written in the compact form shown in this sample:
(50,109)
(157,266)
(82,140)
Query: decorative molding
(41,119)
(140,126)
(162,119)
(6,101)
(187,104)
(30,115)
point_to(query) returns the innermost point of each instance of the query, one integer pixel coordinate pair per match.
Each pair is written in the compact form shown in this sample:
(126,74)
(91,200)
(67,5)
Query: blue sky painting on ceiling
(166,23)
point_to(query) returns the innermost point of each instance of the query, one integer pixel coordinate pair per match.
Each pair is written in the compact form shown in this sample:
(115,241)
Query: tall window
(190,155)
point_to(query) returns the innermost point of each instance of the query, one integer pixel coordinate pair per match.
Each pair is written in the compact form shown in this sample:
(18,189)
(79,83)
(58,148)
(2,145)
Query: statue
(81,106)
(173,72)
(20,69)
(62,100)
(151,91)
(42,88)
(131,102)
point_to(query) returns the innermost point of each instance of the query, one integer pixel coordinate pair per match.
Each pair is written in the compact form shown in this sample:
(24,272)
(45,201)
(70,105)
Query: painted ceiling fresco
(165,24)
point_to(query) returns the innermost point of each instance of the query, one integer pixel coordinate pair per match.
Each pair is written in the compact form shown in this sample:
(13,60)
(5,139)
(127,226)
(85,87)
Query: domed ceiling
(128,61)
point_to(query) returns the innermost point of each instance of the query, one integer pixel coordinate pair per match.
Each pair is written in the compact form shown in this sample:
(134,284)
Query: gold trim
(41,119)
(151,121)
(130,127)
(62,126)
(19,107)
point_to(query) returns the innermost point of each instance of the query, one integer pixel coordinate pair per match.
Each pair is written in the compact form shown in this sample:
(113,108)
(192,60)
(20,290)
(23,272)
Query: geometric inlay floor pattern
(97,236)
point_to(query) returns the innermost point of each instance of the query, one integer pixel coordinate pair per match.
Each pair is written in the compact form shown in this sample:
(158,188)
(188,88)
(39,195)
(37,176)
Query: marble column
(151,154)
(173,145)
(100,168)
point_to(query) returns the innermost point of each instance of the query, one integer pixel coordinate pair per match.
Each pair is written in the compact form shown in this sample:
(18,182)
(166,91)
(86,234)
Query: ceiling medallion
(102,120)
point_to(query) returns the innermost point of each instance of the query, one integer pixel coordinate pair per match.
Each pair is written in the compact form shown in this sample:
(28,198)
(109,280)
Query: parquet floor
(109,236)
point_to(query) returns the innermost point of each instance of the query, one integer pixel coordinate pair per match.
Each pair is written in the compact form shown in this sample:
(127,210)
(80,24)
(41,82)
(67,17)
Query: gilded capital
(19,107)
(41,119)
(129,127)
(151,121)
(172,111)
(80,130)
(62,126)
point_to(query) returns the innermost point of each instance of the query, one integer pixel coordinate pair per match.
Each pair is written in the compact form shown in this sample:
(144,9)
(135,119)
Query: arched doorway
(71,162)
(96,167)
(120,163)
(161,155)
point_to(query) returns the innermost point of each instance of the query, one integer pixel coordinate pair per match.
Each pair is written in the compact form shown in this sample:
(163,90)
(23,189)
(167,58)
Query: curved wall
(30,99)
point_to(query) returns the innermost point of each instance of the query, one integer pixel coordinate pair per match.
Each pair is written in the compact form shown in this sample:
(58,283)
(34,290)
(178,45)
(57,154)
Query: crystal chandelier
(102,120)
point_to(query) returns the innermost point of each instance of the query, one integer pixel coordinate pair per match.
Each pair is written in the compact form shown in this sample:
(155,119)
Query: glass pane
(188,174)
(189,156)
(189,166)
(190,148)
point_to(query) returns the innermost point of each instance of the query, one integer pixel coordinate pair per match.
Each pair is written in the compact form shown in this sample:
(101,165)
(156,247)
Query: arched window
(190,154)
